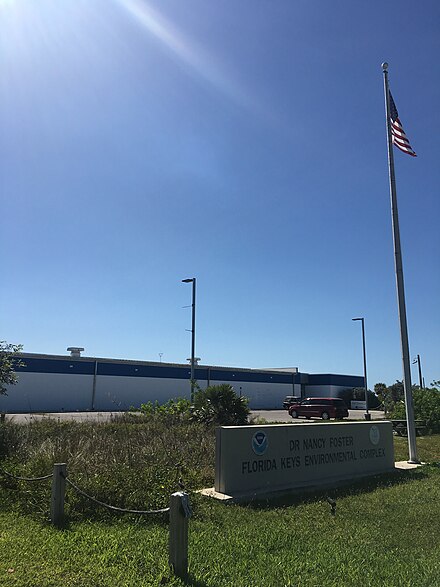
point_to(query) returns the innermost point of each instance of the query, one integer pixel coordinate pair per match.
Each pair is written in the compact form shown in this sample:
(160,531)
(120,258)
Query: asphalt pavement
(269,415)
(283,416)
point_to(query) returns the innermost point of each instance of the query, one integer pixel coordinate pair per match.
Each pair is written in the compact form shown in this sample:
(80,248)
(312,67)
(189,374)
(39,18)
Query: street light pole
(367,414)
(420,371)
(193,331)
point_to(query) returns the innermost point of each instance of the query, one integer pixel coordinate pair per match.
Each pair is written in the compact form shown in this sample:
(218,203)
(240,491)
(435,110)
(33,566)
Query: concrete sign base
(253,461)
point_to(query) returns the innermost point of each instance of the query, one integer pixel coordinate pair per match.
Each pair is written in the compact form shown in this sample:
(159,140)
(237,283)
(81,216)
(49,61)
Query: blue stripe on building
(118,369)
(340,380)
(133,370)
(252,376)
(166,371)
(33,365)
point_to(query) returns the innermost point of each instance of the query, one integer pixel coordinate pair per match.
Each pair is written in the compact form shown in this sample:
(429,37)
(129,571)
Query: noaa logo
(374,435)
(259,443)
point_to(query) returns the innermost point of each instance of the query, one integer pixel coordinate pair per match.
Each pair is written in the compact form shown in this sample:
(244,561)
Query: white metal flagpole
(399,282)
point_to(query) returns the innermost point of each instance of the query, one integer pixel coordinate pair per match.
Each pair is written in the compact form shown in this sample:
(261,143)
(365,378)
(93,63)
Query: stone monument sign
(262,459)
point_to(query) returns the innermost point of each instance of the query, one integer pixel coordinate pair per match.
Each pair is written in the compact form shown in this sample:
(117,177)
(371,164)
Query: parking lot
(283,416)
(268,415)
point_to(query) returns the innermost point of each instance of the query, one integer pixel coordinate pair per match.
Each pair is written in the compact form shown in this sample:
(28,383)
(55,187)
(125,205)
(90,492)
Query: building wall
(325,390)
(121,393)
(265,396)
(48,392)
(115,393)
(50,383)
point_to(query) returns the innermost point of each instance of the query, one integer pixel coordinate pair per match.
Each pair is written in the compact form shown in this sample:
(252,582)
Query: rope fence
(84,494)
(179,512)
(112,507)
(3,472)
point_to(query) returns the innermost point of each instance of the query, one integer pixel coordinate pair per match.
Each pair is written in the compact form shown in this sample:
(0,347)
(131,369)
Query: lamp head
(189,280)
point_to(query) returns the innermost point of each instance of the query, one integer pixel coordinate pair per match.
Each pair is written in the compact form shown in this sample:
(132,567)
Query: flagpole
(399,282)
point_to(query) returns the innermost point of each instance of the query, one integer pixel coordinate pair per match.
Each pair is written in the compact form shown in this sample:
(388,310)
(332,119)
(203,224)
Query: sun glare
(46,32)
(186,50)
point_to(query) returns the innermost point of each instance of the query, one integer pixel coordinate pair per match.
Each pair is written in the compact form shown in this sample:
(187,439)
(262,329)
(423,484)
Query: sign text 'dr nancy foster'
(276,457)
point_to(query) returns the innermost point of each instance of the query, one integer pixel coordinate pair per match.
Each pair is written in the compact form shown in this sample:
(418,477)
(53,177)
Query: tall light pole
(193,331)
(420,371)
(367,414)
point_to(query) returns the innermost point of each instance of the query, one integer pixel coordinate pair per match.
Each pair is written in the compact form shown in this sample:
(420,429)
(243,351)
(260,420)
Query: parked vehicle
(289,400)
(319,407)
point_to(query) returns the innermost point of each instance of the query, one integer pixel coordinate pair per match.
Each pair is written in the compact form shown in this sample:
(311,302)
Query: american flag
(398,134)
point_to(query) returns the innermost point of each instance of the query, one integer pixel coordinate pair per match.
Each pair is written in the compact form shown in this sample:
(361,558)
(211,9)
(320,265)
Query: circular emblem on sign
(259,443)
(374,435)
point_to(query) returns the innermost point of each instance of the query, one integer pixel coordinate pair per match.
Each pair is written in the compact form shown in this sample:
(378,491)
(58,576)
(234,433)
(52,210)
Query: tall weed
(132,462)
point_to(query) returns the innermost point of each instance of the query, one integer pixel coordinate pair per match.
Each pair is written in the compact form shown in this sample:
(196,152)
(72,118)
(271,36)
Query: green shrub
(176,408)
(426,408)
(220,405)
(8,363)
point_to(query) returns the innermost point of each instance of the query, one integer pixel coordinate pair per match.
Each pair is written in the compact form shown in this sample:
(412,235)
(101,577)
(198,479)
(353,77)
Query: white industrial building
(56,383)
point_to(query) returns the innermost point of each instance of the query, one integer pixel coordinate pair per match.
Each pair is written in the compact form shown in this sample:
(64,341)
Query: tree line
(426,402)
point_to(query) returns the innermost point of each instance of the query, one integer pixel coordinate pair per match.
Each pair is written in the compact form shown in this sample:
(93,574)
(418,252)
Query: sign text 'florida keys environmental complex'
(262,459)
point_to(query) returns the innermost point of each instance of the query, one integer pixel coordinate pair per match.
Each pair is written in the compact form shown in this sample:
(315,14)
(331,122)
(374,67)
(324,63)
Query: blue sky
(242,142)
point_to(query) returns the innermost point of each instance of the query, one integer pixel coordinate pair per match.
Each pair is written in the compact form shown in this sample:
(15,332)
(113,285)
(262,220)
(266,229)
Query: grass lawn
(386,532)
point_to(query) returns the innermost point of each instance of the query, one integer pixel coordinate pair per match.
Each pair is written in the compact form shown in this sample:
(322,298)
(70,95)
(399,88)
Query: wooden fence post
(178,545)
(58,491)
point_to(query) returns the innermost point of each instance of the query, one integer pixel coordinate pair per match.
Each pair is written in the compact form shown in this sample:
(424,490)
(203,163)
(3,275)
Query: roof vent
(75,351)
